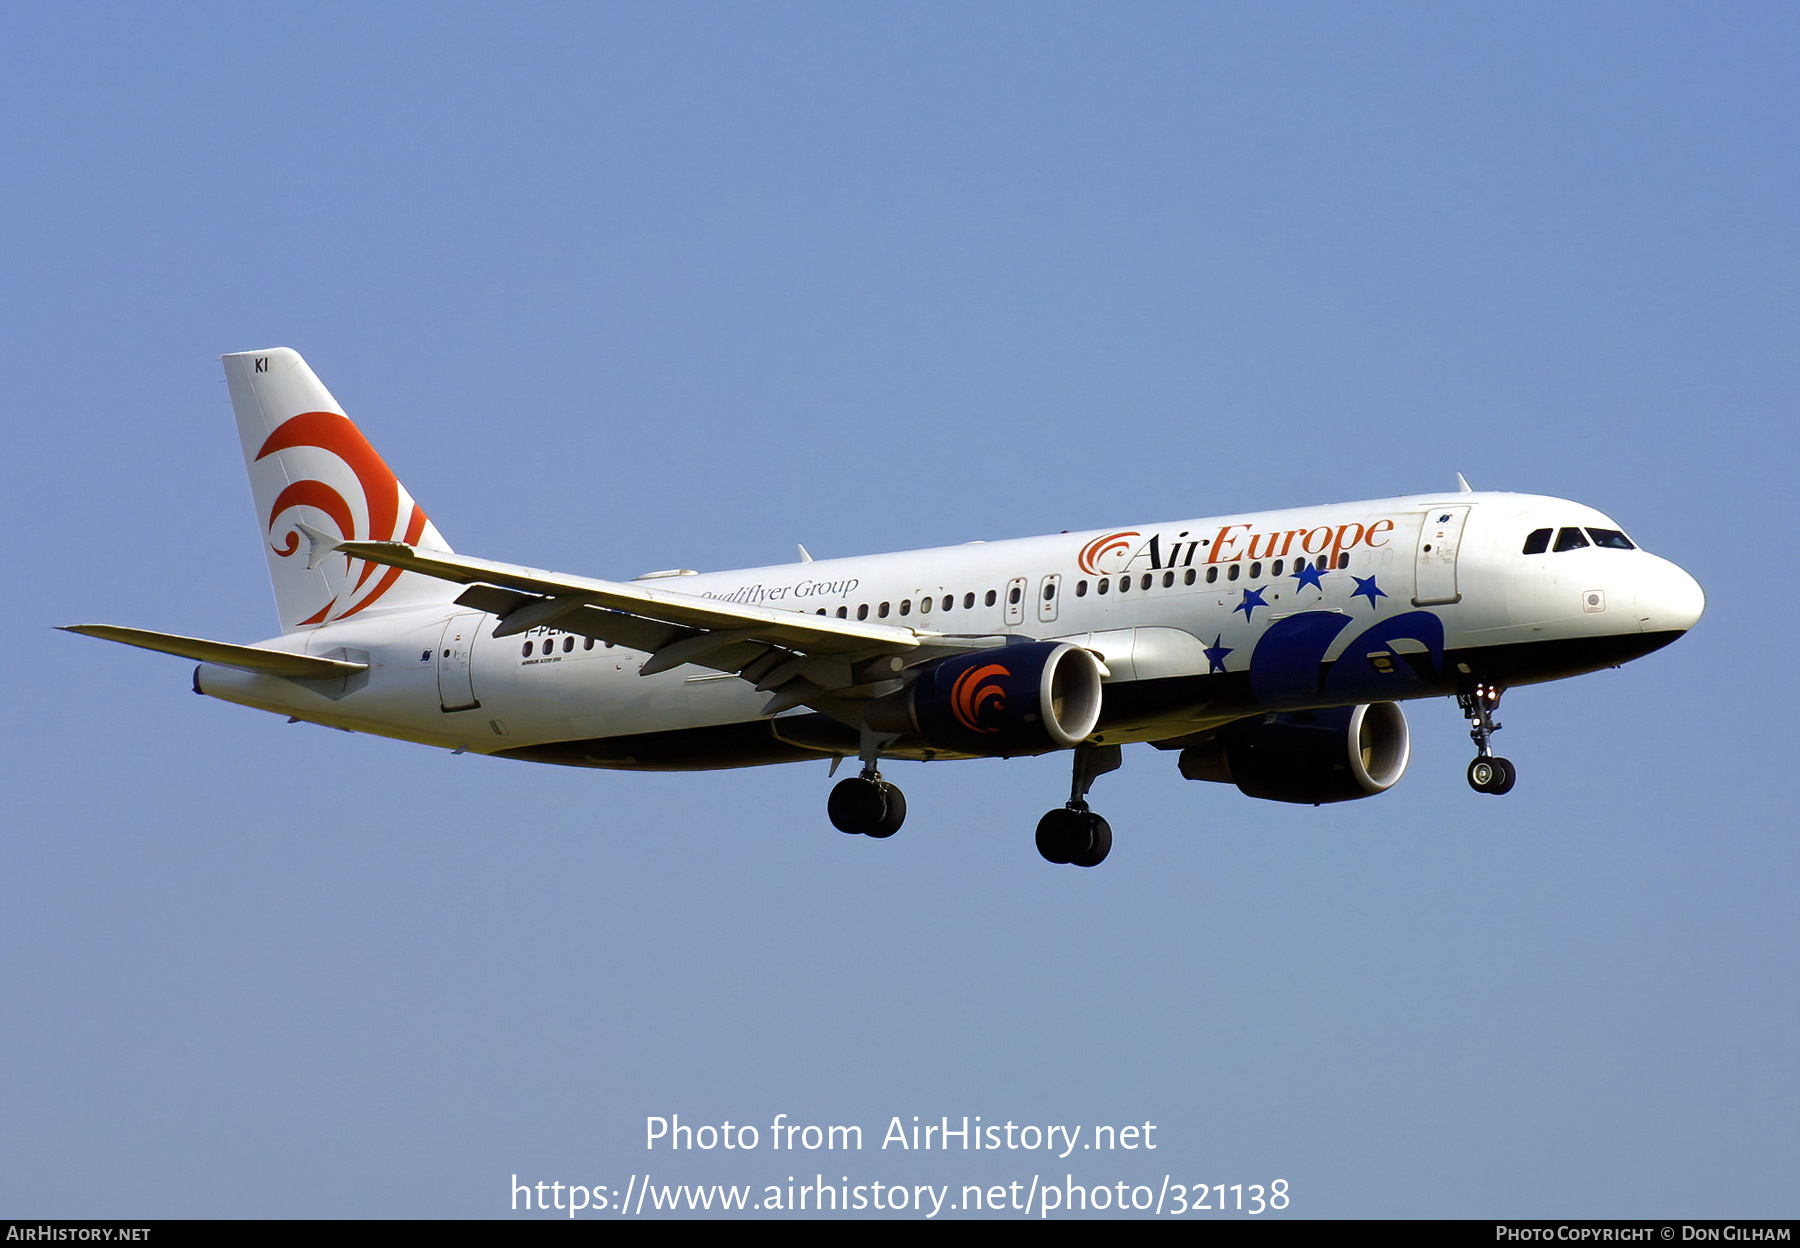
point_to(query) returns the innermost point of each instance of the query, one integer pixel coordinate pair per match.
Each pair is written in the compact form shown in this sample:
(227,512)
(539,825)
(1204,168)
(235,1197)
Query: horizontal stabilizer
(244,658)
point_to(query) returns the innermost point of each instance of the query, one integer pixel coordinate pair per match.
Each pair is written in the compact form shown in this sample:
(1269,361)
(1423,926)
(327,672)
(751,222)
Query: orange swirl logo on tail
(382,495)
(970,696)
(1100,547)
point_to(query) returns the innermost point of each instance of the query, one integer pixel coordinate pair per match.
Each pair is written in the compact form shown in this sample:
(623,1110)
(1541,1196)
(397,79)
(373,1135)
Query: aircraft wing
(813,660)
(223,653)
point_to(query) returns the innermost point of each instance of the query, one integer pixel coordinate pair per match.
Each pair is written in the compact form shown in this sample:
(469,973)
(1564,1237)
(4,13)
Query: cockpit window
(1538,542)
(1570,539)
(1612,539)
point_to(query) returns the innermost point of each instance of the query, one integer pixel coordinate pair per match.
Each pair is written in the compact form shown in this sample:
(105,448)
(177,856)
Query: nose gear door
(1435,564)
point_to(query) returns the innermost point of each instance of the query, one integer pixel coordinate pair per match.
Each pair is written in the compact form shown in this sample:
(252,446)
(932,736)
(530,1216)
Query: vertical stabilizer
(311,469)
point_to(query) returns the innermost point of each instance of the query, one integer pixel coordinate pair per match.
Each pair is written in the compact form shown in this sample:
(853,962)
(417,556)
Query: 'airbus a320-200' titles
(1269,650)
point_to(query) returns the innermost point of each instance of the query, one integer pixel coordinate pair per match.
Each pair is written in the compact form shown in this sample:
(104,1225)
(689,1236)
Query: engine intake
(1024,699)
(1307,756)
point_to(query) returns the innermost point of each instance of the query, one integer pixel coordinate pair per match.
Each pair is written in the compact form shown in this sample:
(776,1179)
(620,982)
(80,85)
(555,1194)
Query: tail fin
(312,471)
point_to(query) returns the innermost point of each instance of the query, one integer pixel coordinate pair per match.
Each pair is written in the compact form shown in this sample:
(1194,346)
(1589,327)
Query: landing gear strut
(1488,773)
(866,804)
(1075,834)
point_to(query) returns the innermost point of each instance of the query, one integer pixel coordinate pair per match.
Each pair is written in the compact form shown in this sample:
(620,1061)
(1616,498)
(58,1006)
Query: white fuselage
(1404,597)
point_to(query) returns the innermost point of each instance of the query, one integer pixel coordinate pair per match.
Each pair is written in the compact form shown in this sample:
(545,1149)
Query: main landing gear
(1488,773)
(866,804)
(1075,834)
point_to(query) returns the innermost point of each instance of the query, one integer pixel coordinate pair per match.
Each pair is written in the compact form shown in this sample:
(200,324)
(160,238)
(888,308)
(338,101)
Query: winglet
(1462,486)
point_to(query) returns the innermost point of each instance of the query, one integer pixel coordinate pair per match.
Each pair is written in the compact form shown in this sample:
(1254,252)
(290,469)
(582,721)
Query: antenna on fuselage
(1462,486)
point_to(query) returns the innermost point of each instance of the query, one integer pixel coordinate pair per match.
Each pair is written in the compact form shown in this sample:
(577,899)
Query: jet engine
(1024,699)
(1306,756)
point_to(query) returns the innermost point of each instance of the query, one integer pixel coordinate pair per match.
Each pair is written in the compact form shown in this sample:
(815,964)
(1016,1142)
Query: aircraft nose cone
(1669,600)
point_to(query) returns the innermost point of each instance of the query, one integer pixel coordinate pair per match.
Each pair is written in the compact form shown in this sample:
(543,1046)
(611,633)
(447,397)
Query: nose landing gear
(1075,834)
(1488,773)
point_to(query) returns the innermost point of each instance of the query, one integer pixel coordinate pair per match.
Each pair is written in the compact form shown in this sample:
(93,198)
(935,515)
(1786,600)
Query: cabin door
(1439,539)
(455,663)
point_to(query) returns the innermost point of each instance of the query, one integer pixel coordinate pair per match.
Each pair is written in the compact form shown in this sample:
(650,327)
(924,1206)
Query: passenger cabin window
(1049,591)
(1013,597)
(1232,574)
(1168,579)
(1212,574)
(842,612)
(882,611)
(1081,589)
(991,598)
(862,611)
(1145,583)
(950,601)
(968,602)
(1538,542)
(1188,577)
(1570,539)
(1611,539)
(1103,586)
(905,607)
(1255,570)
(1124,584)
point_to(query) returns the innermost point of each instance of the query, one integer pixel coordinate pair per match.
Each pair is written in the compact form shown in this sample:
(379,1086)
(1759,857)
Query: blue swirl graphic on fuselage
(1374,668)
(1288,668)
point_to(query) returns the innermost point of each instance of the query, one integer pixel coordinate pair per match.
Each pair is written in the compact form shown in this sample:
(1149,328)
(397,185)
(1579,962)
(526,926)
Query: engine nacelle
(1025,699)
(1307,756)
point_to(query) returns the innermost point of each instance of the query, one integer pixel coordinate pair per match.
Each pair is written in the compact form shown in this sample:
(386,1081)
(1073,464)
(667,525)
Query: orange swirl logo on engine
(1100,547)
(970,696)
(382,498)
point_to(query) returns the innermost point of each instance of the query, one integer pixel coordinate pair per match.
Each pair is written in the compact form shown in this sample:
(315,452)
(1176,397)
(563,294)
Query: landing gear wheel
(1492,775)
(1078,837)
(869,807)
(1099,840)
(1482,774)
(1507,780)
(857,805)
(893,816)
(1060,834)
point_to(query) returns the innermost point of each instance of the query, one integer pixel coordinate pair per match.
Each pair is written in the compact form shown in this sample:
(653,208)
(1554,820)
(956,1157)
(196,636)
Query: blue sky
(618,288)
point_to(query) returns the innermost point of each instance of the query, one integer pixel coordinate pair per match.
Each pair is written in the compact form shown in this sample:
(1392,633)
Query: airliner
(1269,650)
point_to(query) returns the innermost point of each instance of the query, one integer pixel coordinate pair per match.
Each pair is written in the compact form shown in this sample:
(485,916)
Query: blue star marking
(1252,600)
(1367,589)
(1308,575)
(1215,655)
